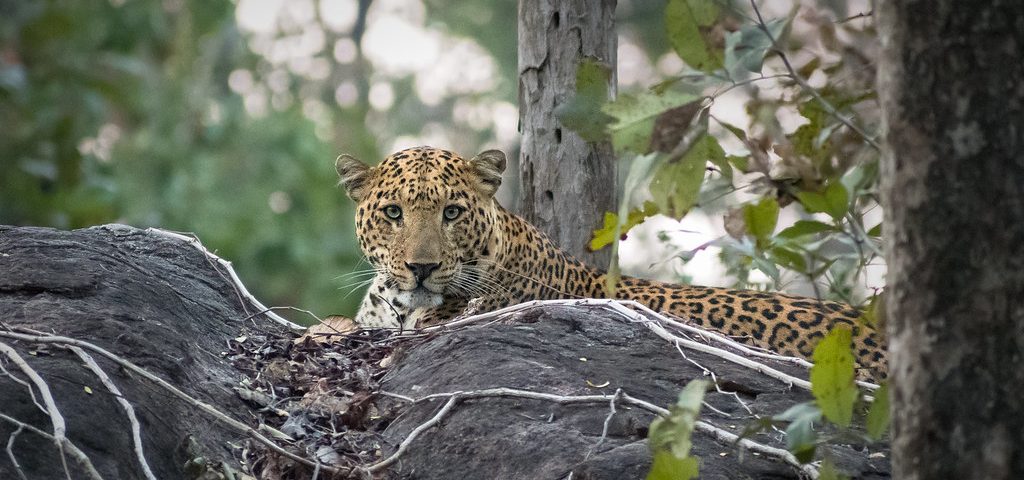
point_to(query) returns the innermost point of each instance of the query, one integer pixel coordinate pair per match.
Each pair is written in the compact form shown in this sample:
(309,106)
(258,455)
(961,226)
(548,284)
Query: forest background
(223,119)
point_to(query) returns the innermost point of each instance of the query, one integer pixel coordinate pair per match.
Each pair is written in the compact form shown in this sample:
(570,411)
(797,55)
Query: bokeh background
(224,118)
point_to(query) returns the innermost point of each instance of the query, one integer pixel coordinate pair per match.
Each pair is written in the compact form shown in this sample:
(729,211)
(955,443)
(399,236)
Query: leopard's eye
(451,212)
(393,212)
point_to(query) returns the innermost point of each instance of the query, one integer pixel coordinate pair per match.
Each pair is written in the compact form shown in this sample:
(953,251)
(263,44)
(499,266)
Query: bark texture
(567,183)
(951,89)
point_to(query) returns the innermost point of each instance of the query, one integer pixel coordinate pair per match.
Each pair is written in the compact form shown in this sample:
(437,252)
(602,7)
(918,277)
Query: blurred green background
(223,118)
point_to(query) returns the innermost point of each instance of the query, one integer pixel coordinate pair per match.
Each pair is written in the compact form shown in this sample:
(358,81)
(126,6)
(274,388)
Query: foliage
(170,114)
(837,402)
(832,377)
(794,199)
(669,436)
(823,172)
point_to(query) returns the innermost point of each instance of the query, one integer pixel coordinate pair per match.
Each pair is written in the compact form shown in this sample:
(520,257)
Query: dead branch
(56,419)
(205,407)
(128,409)
(10,452)
(235,281)
(453,398)
(69,447)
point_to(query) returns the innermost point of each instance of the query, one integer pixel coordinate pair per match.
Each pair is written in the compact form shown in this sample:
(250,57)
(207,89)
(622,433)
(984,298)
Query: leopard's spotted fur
(486,252)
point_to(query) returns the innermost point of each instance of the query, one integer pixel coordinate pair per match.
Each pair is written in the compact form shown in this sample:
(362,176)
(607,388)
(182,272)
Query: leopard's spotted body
(427,222)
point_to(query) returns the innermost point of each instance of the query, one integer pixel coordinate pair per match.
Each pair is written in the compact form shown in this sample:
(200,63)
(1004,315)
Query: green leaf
(687,23)
(805,227)
(878,414)
(606,234)
(800,436)
(837,199)
(676,184)
(633,117)
(766,266)
(741,163)
(745,48)
(788,258)
(670,467)
(874,314)
(875,231)
(761,218)
(834,201)
(673,431)
(832,377)
(806,139)
(670,436)
(582,113)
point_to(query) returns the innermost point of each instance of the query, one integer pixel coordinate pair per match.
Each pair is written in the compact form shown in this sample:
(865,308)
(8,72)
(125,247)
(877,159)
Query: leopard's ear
(488,166)
(354,175)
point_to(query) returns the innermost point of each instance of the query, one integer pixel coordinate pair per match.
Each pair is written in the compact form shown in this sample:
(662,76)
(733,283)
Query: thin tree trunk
(951,89)
(567,183)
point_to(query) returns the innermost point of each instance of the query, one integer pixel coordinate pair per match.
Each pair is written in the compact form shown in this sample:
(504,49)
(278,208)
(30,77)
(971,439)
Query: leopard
(440,244)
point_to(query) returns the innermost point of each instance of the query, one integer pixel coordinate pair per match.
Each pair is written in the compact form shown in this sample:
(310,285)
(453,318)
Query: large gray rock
(559,350)
(155,301)
(164,305)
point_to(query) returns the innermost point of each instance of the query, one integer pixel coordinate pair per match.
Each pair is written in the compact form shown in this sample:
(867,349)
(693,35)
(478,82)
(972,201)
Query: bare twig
(128,409)
(10,452)
(866,14)
(657,322)
(31,392)
(205,407)
(402,447)
(295,309)
(240,289)
(68,447)
(831,109)
(56,419)
(501,392)
(607,422)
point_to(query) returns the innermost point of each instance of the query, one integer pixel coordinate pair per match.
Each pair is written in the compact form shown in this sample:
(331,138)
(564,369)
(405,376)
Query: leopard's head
(426,220)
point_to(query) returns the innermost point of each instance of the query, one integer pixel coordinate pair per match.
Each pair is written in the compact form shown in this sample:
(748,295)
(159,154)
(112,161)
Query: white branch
(453,398)
(237,282)
(205,407)
(10,452)
(71,449)
(56,419)
(657,323)
(402,447)
(128,409)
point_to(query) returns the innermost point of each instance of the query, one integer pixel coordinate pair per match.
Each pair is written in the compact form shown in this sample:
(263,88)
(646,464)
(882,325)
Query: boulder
(173,309)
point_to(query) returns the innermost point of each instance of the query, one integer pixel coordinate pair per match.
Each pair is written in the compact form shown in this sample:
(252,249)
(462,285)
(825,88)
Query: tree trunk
(953,189)
(567,183)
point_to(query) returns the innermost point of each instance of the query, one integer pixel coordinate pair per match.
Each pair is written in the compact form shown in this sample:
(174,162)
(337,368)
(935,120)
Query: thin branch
(271,309)
(10,452)
(866,14)
(806,86)
(657,323)
(69,447)
(128,409)
(205,407)
(402,447)
(56,419)
(607,422)
(31,392)
(719,434)
(235,281)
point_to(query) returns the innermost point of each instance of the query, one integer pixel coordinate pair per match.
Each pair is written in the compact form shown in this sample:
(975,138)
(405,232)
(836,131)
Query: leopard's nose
(422,270)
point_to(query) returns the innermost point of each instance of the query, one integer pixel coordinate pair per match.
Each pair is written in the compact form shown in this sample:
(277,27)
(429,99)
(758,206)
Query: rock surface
(155,301)
(162,304)
(568,351)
